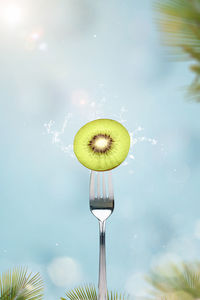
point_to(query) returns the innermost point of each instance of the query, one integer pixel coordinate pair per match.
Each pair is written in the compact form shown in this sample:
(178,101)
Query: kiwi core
(100,143)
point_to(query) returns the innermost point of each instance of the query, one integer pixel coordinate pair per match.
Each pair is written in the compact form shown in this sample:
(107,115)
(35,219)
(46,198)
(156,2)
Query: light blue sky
(77,60)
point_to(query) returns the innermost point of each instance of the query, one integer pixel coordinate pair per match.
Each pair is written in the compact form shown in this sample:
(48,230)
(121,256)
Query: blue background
(64,63)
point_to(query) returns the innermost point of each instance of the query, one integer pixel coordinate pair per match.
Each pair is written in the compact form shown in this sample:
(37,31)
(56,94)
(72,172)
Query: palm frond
(177,296)
(176,281)
(20,285)
(180,21)
(89,292)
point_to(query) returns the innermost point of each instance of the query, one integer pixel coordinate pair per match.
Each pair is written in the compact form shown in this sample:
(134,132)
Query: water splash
(137,137)
(96,110)
(58,134)
(120,116)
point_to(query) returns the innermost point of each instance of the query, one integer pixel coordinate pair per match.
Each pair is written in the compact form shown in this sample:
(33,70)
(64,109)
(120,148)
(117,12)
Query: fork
(101,206)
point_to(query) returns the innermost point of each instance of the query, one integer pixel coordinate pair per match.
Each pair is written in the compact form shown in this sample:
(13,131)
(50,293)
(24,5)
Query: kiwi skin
(106,159)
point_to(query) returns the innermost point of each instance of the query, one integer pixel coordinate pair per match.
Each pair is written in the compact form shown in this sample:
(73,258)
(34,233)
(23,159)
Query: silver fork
(102,206)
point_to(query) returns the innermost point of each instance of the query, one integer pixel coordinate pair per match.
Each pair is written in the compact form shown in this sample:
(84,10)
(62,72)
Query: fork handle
(102,286)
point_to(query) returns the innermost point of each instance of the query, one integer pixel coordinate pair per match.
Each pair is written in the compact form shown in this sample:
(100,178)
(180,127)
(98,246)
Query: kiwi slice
(102,144)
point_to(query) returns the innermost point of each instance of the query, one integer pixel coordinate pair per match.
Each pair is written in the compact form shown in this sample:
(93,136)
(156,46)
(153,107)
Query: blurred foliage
(180,21)
(19,285)
(88,292)
(171,281)
(176,281)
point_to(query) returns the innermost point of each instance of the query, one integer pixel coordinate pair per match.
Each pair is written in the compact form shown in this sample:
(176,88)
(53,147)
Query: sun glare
(12,14)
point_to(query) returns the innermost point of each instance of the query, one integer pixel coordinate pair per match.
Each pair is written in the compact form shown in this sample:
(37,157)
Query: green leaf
(179,20)
(19,285)
(176,281)
(88,292)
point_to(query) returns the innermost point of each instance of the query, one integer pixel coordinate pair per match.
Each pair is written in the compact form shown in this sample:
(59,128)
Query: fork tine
(92,187)
(98,185)
(104,186)
(110,187)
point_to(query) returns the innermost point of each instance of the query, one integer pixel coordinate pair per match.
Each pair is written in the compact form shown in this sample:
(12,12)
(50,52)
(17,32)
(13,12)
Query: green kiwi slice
(102,144)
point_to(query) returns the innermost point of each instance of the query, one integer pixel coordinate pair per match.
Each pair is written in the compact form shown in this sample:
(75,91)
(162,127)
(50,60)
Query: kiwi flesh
(102,144)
